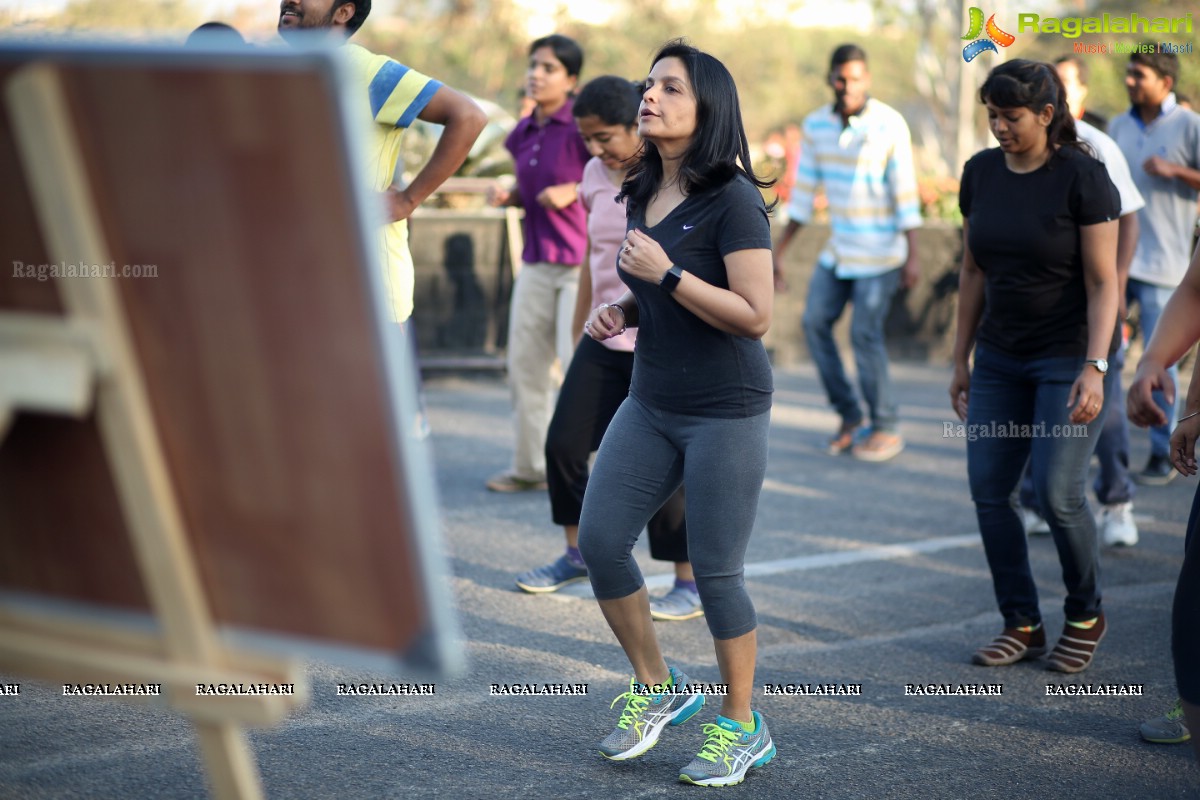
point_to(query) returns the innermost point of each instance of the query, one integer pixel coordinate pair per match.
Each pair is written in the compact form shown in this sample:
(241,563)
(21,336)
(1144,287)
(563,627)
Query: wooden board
(276,382)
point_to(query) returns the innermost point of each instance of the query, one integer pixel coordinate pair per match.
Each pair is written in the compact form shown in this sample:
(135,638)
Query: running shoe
(1170,728)
(551,577)
(729,752)
(678,604)
(645,715)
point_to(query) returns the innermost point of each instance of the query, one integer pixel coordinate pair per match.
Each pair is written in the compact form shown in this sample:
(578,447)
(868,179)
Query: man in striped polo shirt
(392,97)
(860,151)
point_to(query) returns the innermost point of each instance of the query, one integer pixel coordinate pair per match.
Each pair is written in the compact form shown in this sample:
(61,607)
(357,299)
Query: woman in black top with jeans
(1038,302)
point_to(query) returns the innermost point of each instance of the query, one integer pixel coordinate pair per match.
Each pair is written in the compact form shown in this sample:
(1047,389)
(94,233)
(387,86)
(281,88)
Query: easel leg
(231,767)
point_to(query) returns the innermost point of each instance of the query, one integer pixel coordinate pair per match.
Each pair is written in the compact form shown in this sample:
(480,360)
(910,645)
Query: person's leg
(595,385)
(1113,485)
(724,466)
(1062,452)
(636,470)
(872,300)
(531,343)
(1185,641)
(827,298)
(667,531)
(1001,402)
(566,288)
(725,463)
(1151,299)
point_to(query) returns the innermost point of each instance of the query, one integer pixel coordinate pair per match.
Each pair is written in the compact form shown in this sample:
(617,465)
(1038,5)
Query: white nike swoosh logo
(688,227)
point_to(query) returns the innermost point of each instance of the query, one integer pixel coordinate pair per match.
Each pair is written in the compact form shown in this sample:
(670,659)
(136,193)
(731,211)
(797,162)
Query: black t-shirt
(681,363)
(1024,235)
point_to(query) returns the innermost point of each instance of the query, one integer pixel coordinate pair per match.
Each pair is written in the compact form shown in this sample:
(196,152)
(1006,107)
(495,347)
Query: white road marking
(837,558)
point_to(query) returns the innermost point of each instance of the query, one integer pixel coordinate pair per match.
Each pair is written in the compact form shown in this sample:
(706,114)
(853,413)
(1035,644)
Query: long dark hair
(718,151)
(1022,83)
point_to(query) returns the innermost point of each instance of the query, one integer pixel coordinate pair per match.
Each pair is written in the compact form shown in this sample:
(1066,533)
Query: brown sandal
(1011,646)
(1076,647)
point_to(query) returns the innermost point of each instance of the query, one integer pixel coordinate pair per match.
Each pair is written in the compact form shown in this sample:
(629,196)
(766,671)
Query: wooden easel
(84,361)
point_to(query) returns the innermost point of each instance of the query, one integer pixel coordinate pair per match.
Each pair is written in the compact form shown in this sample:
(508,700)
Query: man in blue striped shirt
(858,149)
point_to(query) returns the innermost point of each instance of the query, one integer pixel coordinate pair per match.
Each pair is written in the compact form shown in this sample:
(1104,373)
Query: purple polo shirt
(548,155)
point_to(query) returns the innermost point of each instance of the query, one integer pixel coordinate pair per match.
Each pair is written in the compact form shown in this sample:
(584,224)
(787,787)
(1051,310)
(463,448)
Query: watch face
(1101,364)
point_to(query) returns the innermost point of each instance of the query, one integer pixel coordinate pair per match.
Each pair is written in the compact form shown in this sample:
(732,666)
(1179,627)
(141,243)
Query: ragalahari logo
(995,36)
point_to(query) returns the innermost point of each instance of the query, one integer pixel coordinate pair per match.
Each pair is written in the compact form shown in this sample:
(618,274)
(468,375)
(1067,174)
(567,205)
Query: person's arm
(906,200)
(611,319)
(558,196)
(744,309)
(583,299)
(789,232)
(910,273)
(1098,251)
(1159,166)
(463,121)
(1127,236)
(970,312)
(807,178)
(1177,330)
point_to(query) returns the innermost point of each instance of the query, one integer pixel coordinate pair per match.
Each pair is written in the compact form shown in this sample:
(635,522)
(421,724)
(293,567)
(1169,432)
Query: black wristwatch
(1100,364)
(670,278)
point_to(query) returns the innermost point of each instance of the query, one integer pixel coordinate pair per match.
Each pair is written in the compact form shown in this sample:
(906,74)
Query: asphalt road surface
(866,575)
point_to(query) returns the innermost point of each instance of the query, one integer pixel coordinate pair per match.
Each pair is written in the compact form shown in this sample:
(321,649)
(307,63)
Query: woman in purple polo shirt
(550,156)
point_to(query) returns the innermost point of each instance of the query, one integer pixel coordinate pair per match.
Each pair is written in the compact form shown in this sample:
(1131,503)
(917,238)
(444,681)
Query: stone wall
(463,282)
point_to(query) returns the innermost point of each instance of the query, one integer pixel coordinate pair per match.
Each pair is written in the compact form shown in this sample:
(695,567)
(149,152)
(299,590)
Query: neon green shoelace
(718,742)
(635,704)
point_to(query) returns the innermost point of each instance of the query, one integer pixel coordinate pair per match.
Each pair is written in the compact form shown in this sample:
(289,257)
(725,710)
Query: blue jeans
(644,457)
(1113,483)
(1007,391)
(872,299)
(1150,300)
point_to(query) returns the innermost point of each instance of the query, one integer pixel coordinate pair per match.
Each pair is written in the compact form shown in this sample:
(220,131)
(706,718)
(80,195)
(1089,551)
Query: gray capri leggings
(644,457)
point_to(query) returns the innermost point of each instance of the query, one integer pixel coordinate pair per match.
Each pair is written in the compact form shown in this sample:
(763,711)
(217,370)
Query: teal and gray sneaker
(729,752)
(1170,728)
(551,577)
(645,716)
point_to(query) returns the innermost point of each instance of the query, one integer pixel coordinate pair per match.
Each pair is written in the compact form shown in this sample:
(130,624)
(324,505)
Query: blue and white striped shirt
(867,170)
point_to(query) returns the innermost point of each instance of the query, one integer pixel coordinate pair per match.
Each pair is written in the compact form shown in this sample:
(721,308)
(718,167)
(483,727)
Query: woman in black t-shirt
(1038,303)
(697,261)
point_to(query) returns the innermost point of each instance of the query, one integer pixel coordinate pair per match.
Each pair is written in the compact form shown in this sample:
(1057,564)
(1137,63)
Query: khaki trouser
(539,329)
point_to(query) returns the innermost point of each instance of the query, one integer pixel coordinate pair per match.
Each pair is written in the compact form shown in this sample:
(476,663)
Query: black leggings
(595,385)
(1185,617)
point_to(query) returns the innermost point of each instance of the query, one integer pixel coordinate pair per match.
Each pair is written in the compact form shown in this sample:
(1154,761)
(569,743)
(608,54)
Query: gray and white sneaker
(1170,728)
(729,753)
(1117,528)
(646,715)
(678,604)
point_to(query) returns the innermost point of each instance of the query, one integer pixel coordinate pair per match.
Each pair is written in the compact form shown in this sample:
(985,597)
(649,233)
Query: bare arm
(1098,250)
(1177,330)
(583,300)
(744,309)
(463,121)
(1127,236)
(1157,165)
(789,232)
(970,312)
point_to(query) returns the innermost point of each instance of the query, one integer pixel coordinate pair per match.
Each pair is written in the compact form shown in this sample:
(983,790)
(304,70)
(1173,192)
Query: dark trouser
(1113,483)
(1185,616)
(595,385)
(645,456)
(1032,396)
